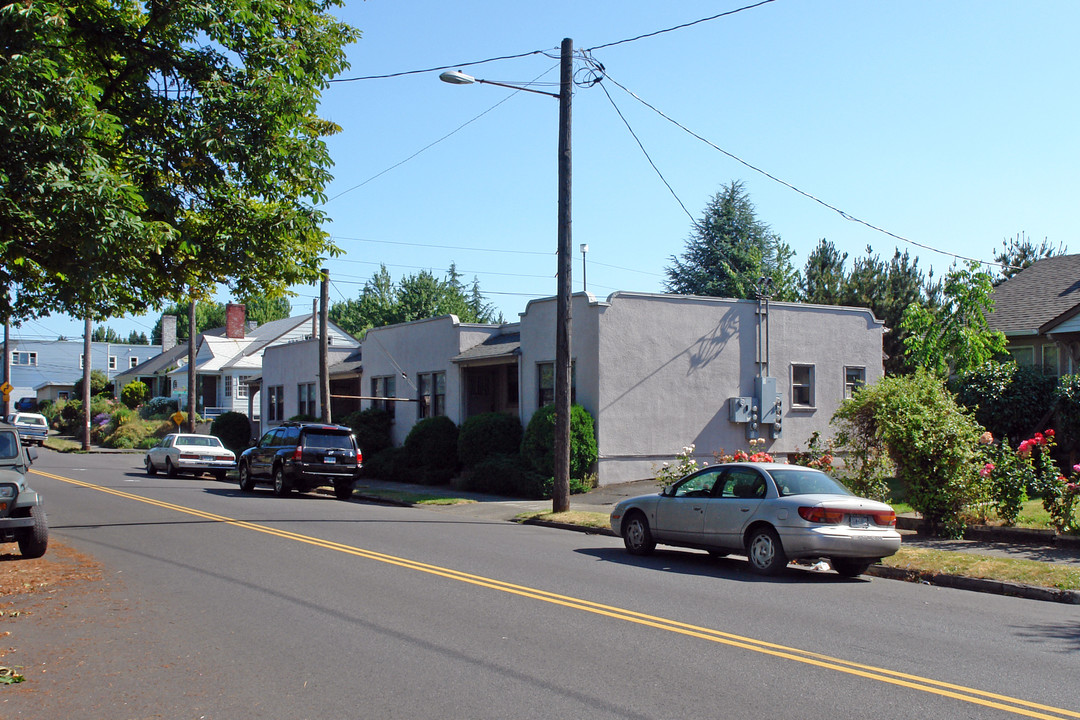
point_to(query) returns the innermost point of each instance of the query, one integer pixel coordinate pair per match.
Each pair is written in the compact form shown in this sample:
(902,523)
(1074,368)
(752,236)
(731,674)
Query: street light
(560,496)
(584,284)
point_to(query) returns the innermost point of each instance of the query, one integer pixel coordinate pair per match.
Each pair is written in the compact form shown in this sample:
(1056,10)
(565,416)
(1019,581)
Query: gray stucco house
(657,372)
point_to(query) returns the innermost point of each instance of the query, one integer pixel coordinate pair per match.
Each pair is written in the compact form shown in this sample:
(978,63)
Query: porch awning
(499,347)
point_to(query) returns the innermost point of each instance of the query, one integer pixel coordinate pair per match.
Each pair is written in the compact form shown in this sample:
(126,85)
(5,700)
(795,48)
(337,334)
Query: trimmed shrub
(234,430)
(134,394)
(432,444)
(387,464)
(1008,400)
(99,383)
(538,444)
(506,475)
(372,430)
(482,436)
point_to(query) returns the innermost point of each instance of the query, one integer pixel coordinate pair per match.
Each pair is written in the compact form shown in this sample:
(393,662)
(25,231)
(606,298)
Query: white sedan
(186,452)
(771,512)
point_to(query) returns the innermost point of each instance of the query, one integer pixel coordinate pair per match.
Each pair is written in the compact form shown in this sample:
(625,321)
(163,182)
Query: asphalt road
(222,605)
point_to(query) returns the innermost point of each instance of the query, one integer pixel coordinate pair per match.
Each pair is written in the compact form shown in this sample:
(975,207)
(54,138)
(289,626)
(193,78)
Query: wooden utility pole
(191,376)
(87,329)
(324,346)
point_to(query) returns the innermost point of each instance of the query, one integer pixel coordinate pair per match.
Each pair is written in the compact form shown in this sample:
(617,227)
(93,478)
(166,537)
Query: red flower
(1049,433)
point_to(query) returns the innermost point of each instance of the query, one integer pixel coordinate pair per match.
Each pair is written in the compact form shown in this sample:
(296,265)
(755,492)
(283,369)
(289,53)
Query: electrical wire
(680,27)
(441,67)
(842,213)
(439,247)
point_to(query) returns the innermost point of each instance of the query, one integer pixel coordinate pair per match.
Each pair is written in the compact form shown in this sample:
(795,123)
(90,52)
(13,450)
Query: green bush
(1008,400)
(504,474)
(234,430)
(432,444)
(372,430)
(159,408)
(134,394)
(538,443)
(482,436)
(930,439)
(388,464)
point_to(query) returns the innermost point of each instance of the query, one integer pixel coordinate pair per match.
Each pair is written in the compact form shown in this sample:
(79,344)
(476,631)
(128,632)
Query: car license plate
(206,458)
(329,460)
(859,521)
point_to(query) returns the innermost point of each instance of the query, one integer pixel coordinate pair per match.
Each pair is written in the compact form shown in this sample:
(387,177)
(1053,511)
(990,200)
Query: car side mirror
(31,453)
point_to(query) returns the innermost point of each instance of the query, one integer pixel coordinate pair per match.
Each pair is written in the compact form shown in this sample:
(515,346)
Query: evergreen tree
(730,250)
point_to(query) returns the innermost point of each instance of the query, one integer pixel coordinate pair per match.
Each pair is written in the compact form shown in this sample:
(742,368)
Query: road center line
(914,682)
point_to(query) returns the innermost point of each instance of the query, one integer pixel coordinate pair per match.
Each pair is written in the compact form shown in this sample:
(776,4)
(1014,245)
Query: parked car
(26,404)
(33,428)
(303,456)
(771,512)
(190,453)
(22,513)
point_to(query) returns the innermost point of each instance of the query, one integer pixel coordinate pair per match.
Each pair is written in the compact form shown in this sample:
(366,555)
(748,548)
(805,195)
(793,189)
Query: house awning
(499,347)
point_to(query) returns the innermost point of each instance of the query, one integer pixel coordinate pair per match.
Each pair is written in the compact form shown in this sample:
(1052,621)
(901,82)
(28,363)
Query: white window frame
(241,386)
(133,362)
(112,362)
(18,355)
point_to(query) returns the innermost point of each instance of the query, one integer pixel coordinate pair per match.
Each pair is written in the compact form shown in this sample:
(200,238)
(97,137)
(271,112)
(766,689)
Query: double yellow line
(892,677)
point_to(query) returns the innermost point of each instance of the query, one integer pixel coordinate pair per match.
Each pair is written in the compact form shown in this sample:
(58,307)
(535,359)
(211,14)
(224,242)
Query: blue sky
(951,124)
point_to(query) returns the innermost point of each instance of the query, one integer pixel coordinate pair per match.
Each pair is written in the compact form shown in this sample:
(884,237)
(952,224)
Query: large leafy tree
(730,250)
(956,336)
(152,150)
(416,297)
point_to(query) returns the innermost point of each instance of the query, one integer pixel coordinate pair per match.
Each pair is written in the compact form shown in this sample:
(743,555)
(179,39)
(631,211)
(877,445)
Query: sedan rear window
(803,481)
(328,440)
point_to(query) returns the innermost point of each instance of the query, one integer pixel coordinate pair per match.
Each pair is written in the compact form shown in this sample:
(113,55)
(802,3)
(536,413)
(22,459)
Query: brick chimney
(168,332)
(235,314)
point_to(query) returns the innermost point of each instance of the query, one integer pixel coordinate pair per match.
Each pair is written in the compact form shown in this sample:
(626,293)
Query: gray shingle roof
(1038,297)
(506,345)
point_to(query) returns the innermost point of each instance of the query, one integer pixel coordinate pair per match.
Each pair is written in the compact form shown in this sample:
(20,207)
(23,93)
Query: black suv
(302,456)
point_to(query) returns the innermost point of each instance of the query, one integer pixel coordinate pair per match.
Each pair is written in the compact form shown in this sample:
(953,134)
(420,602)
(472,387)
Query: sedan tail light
(833,516)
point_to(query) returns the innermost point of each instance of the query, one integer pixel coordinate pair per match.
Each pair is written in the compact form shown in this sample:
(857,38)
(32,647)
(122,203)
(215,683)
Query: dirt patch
(60,567)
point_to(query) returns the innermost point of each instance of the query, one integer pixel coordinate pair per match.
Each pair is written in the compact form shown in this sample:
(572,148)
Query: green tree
(415,297)
(888,288)
(208,315)
(956,336)
(823,278)
(730,250)
(104,334)
(99,383)
(1018,252)
(137,338)
(154,150)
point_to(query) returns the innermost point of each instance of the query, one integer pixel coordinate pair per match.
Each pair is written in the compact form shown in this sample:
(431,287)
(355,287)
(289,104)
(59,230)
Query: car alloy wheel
(282,487)
(247,483)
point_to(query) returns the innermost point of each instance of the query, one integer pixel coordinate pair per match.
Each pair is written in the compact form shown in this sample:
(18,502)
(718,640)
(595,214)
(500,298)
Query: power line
(440,247)
(680,27)
(842,213)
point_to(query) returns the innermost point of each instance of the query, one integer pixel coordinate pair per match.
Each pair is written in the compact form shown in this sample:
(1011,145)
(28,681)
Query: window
(305,399)
(275,403)
(1024,356)
(241,386)
(227,382)
(546,383)
(1050,359)
(854,378)
(802,386)
(133,362)
(432,394)
(384,387)
(112,362)
(23,358)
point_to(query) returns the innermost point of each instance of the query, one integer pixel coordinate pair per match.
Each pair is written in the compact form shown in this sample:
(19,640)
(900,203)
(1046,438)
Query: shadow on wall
(699,353)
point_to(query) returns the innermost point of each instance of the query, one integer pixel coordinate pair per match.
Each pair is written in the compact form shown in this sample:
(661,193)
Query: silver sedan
(191,453)
(772,512)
